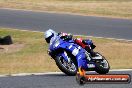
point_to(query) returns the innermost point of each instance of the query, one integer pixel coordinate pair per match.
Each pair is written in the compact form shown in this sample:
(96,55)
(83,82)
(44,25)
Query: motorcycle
(67,62)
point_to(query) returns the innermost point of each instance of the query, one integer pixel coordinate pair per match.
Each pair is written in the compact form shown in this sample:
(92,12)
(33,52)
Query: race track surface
(80,25)
(55,81)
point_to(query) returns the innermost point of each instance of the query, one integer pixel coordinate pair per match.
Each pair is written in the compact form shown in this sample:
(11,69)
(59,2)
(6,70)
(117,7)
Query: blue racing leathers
(57,43)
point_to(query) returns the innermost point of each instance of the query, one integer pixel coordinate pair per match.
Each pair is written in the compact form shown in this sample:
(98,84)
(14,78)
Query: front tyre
(68,68)
(102,67)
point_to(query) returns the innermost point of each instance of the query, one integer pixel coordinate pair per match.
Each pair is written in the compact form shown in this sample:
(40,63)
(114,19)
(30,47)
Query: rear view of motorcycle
(67,54)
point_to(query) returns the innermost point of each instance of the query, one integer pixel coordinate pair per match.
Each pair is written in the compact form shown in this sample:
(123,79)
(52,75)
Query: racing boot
(81,71)
(93,54)
(80,77)
(89,50)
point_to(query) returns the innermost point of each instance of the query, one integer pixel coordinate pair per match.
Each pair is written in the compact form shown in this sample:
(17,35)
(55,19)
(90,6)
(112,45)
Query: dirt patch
(11,48)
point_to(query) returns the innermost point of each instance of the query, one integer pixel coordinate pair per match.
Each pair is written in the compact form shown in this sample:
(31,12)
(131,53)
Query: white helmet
(49,34)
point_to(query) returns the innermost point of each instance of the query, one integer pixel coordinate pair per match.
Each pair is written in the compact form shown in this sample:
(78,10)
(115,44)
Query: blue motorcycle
(66,61)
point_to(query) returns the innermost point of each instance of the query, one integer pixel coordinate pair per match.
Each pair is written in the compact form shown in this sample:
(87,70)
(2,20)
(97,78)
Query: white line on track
(51,73)
(121,70)
(28,74)
(81,35)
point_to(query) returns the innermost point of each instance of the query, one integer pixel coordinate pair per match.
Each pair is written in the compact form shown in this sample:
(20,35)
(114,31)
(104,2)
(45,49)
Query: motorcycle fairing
(71,47)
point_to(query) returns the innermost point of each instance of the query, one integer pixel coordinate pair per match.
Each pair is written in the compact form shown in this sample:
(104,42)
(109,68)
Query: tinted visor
(49,38)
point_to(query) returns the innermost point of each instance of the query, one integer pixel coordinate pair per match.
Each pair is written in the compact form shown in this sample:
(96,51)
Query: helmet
(49,34)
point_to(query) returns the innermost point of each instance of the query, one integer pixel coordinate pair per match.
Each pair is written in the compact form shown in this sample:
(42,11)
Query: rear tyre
(102,67)
(70,70)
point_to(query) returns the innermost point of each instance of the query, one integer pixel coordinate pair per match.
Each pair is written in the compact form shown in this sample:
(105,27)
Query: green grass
(107,8)
(33,57)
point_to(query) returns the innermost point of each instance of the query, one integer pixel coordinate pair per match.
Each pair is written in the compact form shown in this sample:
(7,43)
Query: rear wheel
(68,68)
(102,67)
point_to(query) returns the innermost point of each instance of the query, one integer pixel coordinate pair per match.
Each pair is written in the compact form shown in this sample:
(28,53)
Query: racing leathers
(74,49)
(86,44)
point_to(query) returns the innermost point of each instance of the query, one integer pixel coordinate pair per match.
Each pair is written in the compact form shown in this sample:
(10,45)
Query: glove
(65,36)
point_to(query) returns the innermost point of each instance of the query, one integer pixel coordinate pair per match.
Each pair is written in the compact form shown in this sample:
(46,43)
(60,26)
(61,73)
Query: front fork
(65,56)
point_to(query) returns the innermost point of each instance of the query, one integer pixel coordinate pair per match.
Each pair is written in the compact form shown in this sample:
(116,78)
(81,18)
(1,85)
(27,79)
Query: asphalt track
(54,81)
(86,25)
(80,25)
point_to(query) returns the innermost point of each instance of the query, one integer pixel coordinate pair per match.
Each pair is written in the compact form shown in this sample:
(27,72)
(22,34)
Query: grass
(32,56)
(107,8)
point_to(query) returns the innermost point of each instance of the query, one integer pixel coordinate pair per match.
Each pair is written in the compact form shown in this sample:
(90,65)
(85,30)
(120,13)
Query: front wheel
(68,68)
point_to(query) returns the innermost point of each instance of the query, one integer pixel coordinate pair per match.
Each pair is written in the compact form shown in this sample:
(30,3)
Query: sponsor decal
(75,51)
(91,65)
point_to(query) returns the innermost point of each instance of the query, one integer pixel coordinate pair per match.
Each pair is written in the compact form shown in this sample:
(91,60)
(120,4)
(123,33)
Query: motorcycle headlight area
(56,43)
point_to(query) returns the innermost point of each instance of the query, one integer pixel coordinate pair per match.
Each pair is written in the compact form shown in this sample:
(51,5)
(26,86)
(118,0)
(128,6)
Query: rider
(75,49)
(86,44)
